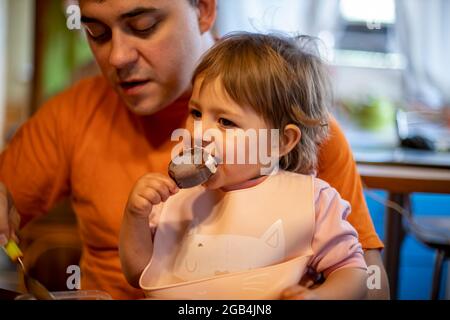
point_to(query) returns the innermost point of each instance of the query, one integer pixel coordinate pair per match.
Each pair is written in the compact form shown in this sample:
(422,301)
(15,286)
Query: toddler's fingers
(170,184)
(139,205)
(163,189)
(307,281)
(293,293)
(158,179)
(152,195)
(308,295)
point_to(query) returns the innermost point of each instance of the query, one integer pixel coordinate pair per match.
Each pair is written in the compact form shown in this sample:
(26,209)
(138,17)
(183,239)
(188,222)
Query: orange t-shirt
(86,143)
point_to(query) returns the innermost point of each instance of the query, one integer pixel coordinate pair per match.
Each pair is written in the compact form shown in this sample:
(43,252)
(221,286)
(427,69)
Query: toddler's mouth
(192,168)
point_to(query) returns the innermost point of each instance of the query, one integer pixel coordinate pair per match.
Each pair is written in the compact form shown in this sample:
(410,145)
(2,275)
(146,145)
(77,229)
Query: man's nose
(122,52)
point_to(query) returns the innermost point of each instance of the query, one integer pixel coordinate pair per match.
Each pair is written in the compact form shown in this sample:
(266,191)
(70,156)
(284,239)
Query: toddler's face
(241,138)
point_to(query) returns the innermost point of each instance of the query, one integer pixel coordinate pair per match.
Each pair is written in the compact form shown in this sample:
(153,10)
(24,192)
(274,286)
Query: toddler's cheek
(214,182)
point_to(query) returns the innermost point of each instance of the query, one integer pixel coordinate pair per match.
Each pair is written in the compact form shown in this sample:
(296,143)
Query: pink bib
(243,244)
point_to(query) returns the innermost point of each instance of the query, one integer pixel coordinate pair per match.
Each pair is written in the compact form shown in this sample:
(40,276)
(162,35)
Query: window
(365,35)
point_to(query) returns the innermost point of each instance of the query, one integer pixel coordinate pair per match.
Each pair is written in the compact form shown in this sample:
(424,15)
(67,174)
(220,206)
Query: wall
(355,82)
(19,55)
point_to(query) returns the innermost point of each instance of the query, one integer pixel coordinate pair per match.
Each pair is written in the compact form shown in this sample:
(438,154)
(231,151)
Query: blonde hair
(283,79)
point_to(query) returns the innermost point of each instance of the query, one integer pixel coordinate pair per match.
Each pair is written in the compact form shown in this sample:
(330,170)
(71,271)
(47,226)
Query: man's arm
(34,167)
(337,167)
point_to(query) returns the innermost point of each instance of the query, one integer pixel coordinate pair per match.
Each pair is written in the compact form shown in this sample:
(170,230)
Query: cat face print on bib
(207,255)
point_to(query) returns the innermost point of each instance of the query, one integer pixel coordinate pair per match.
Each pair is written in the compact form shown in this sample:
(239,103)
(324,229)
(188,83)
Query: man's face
(147,49)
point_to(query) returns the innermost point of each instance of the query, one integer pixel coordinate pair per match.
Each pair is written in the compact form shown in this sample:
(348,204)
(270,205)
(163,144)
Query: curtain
(423,29)
(293,16)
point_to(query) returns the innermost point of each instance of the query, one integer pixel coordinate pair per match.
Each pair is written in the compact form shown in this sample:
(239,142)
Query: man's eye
(143,27)
(96,32)
(196,114)
(227,123)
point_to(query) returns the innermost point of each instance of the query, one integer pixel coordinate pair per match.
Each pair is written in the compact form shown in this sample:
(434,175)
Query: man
(93,141)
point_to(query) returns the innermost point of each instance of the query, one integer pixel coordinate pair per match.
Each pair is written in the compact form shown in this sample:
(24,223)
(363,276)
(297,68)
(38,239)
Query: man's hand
(9,217)
(299,292)
(150,190)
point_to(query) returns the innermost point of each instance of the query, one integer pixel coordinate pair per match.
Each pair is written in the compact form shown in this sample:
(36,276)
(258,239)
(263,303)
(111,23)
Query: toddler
(255,98)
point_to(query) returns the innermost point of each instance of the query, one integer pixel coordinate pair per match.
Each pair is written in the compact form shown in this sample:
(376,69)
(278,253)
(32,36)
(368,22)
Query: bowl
(72,295)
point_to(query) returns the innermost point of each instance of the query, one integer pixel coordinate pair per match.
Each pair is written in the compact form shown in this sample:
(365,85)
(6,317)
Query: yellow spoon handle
(12,250)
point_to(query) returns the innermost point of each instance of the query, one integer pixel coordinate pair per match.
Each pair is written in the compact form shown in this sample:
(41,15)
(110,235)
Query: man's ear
(289,139)
(207,11)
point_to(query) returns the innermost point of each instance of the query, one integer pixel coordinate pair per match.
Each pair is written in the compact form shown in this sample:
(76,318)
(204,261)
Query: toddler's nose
(206,143)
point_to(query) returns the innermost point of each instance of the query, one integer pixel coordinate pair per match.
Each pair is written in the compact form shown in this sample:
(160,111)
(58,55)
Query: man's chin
(143,109)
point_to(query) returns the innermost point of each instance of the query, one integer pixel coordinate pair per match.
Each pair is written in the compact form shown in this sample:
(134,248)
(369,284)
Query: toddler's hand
(298,292)
(150,190)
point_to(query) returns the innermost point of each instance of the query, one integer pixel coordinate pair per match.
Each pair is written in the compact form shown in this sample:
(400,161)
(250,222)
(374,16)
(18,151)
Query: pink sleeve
(335,244)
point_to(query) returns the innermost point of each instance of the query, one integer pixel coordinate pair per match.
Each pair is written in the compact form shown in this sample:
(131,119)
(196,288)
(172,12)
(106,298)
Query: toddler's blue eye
(227,123)
(196,114)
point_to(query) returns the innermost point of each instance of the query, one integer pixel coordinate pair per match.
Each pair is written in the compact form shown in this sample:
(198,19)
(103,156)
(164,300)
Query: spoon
(192,168)
(32,285)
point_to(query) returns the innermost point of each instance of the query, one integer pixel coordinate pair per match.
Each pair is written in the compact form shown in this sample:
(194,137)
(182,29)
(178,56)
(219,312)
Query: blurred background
(390,69)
